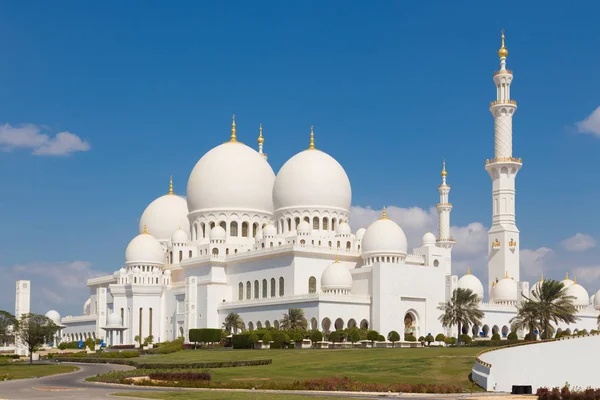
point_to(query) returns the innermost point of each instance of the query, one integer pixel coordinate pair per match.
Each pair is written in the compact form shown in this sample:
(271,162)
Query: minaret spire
(312,138)
(503,236)
(233,135)
(171,184)
(444,208)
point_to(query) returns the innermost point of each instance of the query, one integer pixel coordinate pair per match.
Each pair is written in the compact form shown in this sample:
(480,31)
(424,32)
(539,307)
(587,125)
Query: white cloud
(579,242)
(588,274)
(60,285)
(536,262)
(591,124)
(29,136)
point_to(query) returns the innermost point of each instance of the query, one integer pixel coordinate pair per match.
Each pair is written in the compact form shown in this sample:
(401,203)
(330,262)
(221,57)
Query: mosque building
(247,241)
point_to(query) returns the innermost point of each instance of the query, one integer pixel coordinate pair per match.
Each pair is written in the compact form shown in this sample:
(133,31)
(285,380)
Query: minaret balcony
(503,102)
(504,159)
(503,71)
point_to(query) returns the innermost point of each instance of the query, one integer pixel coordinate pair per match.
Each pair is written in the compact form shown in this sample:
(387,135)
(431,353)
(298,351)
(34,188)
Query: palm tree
(233,322)
(461,309)
(526,317)
(294,319)
(552,303)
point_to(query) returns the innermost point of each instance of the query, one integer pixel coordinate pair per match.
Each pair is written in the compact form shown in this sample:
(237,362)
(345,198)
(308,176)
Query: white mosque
(247,241)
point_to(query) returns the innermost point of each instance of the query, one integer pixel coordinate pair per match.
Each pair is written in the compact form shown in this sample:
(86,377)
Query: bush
(142,366)
(429,338)
(280,340)
(440,337)
(594,332)
(316,336)
(180,376)
(450,340)
(90,343)
(409,337)
(167,347)
(68,345)
(253,338)
(241,341)
(393,336)
(205,335)
(421,338)
(512,336)
(530,337)
(465,339)
(296,336)
(335,336)
(496,336)
(353,335)
(372,335)
(567,393)
(267,338)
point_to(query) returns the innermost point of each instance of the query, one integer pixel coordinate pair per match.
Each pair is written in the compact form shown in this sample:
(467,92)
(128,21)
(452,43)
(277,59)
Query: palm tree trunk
(459,332)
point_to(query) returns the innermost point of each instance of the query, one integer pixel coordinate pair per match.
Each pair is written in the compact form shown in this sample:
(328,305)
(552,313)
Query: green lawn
(217,396)
(419,365)
(24,370)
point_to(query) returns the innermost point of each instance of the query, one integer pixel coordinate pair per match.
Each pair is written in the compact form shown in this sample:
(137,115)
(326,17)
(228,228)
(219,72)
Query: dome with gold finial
(384,237)
(567,282)
(581,296)
(312,179)
(165,215)
(471,282)
(144,249)
(503,52)
(336,277)
(260,139)
(231,177)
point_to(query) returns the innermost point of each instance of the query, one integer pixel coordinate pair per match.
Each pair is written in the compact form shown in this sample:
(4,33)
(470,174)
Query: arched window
(227,251)
(307,219)
(281,287)
(150,322)
(254,229)
(241,291)
(250,326)
(234,229)
(190,254)
(348,245)
(338,244)
(171,257)
(215,252)
(134,280)
(297,222)
(265,290)
(244,229)
(203,228)
(302,242)
(180,255)
(212,225)
(248,290)
(330,244)
(325,224)
(256,289)
(273,290)
(223,225)
(289,224)
(140,322)
(312,284)
(333,224)
(122,316)
(259,325)
(316,223)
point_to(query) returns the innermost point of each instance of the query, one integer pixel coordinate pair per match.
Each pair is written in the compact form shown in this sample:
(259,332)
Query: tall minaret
(503,237)
(444,208)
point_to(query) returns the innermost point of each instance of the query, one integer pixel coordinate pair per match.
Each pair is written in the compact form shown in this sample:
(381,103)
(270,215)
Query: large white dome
(470,281)
(231,176)
(336,277)
(567,282)
(597,300)
(582,298)
(313,179)
(360,233)
(384,236)
(164,216)
(506,290)
(144,249)
(54,316)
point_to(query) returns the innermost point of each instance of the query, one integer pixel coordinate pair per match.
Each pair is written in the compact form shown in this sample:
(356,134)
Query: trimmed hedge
(180,376)
(241,341)
(205,335)
(205,365)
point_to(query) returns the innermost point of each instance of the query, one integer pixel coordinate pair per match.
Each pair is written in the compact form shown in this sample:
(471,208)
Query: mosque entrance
(409,324)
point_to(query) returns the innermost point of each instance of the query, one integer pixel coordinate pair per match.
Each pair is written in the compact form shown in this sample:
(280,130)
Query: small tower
(444,208)
(261,141)
(503,236)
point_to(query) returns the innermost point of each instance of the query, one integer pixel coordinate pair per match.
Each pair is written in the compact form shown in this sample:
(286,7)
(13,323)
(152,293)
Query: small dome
(218,233)
(179,236)
(581,295)
(269,230)
(123,271)
(168,272)
(384,236)
(164,215)
(567,282)
(343,229)
(597,300)
(144,249)
(506,290)
(536,287)
(312,179)
(113,319)
(303,228)
(429,239)
(360,233)
(470,281)
(336,277)
(86,307)
(54,316)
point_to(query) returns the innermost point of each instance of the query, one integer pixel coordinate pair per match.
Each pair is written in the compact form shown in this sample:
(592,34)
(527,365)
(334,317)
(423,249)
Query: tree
(293,320)
(7,322)
(138,339)
(34,330)
(552,304)
(393,337)
(353,335)
(316,336)
(233,322)
(440,337)
(429,338)
(149,340)
(526,318)
(461,309)
(335,336)
(372,336)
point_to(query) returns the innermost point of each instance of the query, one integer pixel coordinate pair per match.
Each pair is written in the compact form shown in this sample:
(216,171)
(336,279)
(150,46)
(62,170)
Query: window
(264,288)
(180,255)
(215,252)
(281,287)
(212,225)
(122,316)
(202,226)
(140,322)
(244,229)
(289,224)
(316,223)
(312,285)
(227,251)
(333,224)
(254,229)
(325,224)
(338,244)
(234,229)
(171,257)
(223,225)
(307,219)
(348,245)
(273,287)
(297,222)
(190,254)
(248,290)
(256,289)
(241,291)
(150,322)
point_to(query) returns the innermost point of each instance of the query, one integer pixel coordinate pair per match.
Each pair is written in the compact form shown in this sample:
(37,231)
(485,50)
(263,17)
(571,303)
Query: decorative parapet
(503,71)
(321,296)
(504,159)
(415,259)
(503,102)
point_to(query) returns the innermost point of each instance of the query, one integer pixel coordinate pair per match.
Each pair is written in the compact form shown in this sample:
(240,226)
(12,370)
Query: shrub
(148,340)
(253,338)
(465,339)
(280,340)
(168,347)
(451,340)
(429,338)
(583,332)
(90,343)
(316,336)
(372,336)
(296,336)
(241,341)
(496,336)
(594,332)
(512,336)
(393,336)
(353,335)
(335,336)
(381,338)
(409,337)
(267,338)
(180,376)
(205,335)
(421,338)
(530,337)
(440,337)
(68,345)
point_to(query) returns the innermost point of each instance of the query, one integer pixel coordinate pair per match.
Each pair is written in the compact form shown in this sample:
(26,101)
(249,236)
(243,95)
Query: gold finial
(145,230)
(567,276)
(468,270)
(171,184)
(506,275)
(337,260)
(503,52)
(384,213)
(542,277)
(494,284)
(233,137)
(312,138)
(261,139)
(444,173)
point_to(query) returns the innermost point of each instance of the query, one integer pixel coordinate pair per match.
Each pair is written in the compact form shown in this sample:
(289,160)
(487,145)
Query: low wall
(542,364)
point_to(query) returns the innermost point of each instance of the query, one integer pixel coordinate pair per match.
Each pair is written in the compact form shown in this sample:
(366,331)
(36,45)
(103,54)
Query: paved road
(74,386)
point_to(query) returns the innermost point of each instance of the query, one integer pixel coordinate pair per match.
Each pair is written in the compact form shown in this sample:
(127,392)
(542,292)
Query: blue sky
(391,89)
